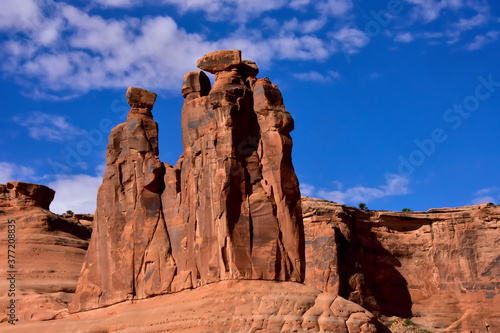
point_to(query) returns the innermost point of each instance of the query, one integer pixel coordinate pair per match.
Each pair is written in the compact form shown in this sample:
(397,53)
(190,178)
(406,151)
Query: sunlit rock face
(441,267)
(229,209)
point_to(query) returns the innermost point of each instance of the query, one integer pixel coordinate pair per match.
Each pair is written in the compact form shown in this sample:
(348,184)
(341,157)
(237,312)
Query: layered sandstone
(441,266)
(226,306)
(229,209)
(19,194)
(47,253)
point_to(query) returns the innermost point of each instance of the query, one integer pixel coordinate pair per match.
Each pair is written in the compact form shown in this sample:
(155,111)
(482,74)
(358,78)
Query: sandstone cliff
(48,253)
(441,266)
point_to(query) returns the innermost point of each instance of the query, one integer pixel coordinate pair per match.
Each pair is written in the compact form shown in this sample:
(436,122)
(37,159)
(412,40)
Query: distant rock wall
(47,254)
(19,194)
(229,209)
(442,266)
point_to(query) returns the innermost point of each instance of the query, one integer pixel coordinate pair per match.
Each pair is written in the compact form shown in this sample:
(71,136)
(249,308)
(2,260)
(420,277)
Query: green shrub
(70,212)
(407,210)
(408,322)
(362,206)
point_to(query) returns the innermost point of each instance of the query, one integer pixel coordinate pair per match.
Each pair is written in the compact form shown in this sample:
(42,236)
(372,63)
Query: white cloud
(430,10)
(306,189)
(425,11)
(14,172)
(153,53)
(299,4)
(306,27)
(404,37)
(336,8)
(395,185)
(480,200)
(44,126)
(75,192)
(485,195)
(233,10)
(118,3)
(468,24)
(351,39)
(317,77)
(19,14)
(482,40)
(486,190)
(58,51)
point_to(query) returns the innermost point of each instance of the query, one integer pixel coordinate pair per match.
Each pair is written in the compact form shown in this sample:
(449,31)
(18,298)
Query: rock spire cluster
(229,209)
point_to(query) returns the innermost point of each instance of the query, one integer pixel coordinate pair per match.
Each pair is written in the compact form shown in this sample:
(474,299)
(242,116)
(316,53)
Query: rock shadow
(368,272)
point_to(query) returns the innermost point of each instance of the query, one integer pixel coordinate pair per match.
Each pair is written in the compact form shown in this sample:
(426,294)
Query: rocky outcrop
(19,194)
(47,254)
(229,209)
(226,306)
(129,252)
(441,266)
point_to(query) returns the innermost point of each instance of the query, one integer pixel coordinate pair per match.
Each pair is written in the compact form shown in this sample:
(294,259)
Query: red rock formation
(229,209)
(129,253)
(440,266)
(226,306)
(19,194)
(47,253)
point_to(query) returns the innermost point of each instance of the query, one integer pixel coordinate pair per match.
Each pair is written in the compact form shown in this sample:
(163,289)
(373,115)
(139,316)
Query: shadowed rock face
(229,209)
(441,266)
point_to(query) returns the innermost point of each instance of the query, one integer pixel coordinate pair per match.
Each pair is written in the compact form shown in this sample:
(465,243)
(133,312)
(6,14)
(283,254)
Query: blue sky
(396,103)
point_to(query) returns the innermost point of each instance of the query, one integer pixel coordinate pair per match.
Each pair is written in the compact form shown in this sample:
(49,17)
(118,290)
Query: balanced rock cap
(196,81)
(218,61)
(249,68)
(140,98)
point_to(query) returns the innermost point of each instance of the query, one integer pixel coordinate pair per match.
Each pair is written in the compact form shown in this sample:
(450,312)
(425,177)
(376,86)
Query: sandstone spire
(128,255)
(229,209)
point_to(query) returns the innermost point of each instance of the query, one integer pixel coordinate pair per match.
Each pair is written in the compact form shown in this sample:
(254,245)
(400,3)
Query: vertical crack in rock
(229,209)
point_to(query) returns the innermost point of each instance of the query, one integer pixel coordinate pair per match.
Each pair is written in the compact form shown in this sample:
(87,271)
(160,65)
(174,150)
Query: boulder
(218,61)
(196,82)
(140,98)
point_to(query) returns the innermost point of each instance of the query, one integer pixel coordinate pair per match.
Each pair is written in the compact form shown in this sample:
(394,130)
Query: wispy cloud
(430,10)
(404,37)
(351,39)
(14,172)
(44,126)
(75,192)
(306,189)
(482,40)
(336,8)
(486,195)
(57,50)
(395,185)
(79,51)
(117,3)
(465,24)
(306,26)
(317,77)
(459,17)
